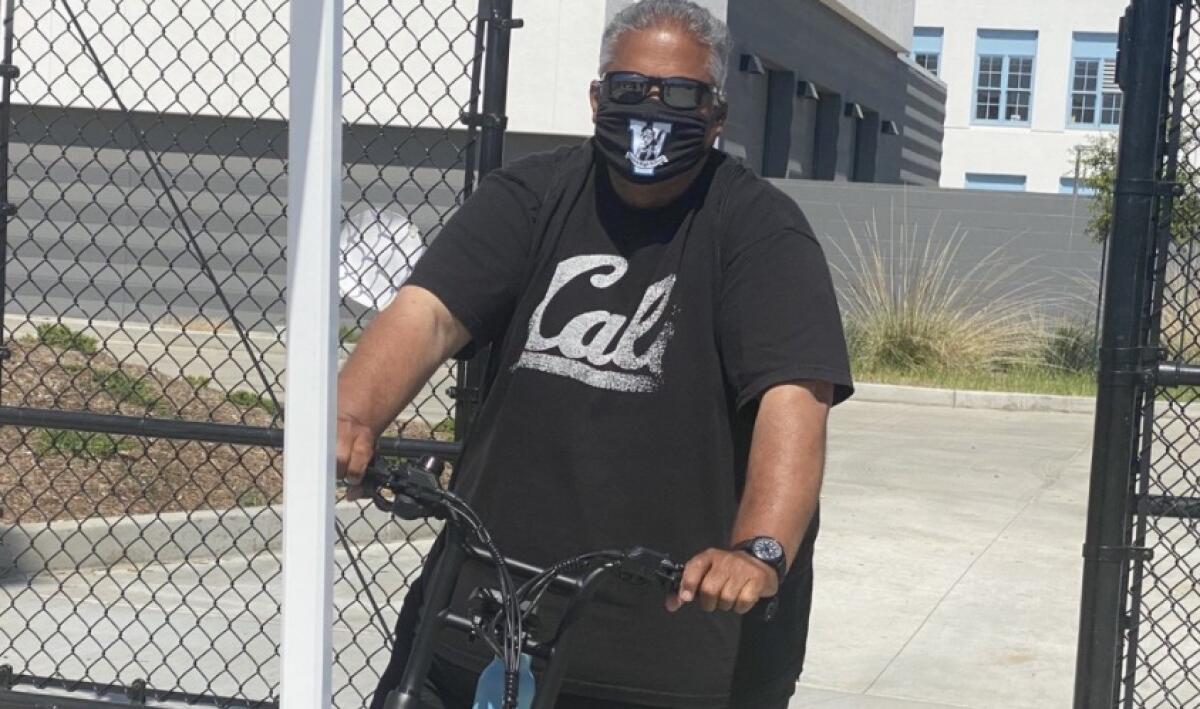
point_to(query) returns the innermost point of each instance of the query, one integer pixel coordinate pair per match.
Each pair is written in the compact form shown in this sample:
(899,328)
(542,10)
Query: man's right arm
(397,354)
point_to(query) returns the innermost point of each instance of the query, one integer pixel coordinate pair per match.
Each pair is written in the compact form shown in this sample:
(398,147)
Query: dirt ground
(50,475)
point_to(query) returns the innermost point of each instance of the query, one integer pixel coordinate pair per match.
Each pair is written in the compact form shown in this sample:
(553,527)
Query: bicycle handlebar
(417,493)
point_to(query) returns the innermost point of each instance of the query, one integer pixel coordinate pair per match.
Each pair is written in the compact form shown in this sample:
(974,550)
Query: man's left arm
(783,484)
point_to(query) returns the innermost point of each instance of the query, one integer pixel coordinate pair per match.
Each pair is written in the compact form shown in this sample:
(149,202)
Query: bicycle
(499,616)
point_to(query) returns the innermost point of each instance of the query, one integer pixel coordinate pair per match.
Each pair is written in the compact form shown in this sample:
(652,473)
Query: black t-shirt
(633,346)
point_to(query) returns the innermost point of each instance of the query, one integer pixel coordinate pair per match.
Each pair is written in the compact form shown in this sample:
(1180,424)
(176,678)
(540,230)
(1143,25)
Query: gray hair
(696,20)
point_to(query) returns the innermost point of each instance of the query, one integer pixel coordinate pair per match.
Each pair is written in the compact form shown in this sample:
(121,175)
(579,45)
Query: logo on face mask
(646,142)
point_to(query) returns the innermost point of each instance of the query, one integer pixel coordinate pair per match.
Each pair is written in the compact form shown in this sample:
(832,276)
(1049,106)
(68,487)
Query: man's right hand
(398,353)
(355,449)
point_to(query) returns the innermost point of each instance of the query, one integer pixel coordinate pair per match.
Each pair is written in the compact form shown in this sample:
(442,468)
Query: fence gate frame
(1128,501)
(484,122)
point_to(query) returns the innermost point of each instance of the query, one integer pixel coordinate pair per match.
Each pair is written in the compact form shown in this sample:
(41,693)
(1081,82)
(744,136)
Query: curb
(964,399)
(69,545)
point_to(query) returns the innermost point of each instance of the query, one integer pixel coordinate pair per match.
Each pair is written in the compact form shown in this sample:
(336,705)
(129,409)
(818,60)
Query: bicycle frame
(418,493)
(436,616)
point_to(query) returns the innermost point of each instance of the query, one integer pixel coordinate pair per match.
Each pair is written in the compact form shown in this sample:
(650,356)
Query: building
(1028,81)
(818,89)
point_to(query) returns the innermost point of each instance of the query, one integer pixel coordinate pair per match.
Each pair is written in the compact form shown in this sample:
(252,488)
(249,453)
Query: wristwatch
(769,551)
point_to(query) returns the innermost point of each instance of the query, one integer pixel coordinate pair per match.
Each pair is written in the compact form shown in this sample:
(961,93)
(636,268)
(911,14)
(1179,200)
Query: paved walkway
(948,568)
(948,576)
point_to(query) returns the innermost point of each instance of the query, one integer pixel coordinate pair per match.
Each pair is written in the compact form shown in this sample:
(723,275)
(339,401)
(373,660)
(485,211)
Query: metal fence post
(1143,68)
(314,213)
(8,72)
(474,376)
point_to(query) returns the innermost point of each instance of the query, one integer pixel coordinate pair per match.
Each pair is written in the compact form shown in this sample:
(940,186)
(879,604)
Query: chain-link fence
(1140,634)
(1162,655)
(141,392)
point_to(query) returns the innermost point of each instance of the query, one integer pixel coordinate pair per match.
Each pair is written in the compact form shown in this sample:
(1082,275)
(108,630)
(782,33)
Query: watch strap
(772,603)
(780,566)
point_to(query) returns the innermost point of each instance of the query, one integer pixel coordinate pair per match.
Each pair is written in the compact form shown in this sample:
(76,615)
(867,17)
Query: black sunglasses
(630,87)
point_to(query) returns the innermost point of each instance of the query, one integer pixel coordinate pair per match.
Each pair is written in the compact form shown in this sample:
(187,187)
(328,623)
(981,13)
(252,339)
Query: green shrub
(1071,347)
(197,381)
(93,445)
(349,334)
(446,425)
(1097,160)
(61,337)
(250,400)
(252,497)
(127,389)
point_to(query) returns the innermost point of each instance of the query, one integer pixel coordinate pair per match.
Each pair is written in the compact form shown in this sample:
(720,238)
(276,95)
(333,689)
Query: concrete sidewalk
(949,567)
(948,575)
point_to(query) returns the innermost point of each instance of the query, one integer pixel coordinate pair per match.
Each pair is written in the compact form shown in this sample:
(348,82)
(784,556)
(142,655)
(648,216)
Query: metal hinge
(1117,554)
(483,120)
(9,71)
(487,13)
(136,692)
(5,353)
(1148,188)
(468,394)
(508,25)
(8,678)
(8,209)
(1137,363)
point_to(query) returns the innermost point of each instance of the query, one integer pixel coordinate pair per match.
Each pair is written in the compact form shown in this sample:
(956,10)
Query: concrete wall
(409,65)
(816,44)
(893,18)
(717,7)
(408,62)
(93,238)
(1042,151)
(553,61)
(923,129)
(1041,238)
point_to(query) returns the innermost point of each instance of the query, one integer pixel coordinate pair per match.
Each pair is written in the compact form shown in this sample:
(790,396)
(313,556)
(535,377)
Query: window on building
(1004,76)
(927,48)
(995,183)
(1069,185)
(1095,97)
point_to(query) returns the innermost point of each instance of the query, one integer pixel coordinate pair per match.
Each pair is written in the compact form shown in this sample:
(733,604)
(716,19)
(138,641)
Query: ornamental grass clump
(910,305)
(1070,346)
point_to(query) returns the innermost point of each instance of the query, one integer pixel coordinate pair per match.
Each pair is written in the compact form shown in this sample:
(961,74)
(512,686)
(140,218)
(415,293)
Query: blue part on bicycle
(489,692)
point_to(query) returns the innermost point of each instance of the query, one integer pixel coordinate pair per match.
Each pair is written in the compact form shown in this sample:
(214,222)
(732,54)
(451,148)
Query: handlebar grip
(652,565)
(376,475)
(672,575)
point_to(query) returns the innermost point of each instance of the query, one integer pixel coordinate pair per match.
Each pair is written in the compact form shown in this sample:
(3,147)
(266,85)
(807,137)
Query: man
(669,348)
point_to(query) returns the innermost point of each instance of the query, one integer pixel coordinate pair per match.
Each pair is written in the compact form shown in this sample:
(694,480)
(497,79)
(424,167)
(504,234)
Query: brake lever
(415,488)
(649,565)
(376,476)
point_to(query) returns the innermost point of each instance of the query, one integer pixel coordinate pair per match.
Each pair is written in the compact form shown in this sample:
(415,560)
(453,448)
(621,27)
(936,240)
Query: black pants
(451,687)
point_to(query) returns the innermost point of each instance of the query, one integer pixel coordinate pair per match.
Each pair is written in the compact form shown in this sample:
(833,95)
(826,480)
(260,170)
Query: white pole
(314,216)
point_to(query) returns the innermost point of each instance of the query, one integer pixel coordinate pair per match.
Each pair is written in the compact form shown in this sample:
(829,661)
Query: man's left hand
(724,580)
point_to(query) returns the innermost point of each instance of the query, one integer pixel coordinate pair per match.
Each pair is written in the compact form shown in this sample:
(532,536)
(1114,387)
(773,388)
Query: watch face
(767,548)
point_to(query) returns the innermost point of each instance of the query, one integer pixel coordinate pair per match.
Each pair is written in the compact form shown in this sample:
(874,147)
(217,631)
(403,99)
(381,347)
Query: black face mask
(648,141)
